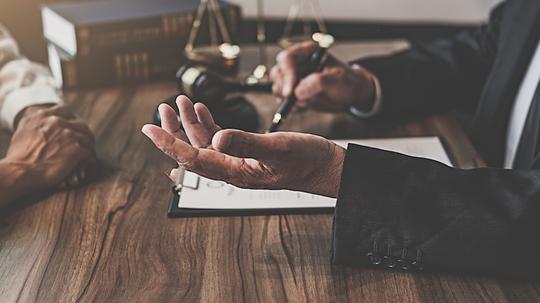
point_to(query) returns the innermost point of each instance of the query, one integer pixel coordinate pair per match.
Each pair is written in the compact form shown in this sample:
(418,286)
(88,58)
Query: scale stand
(300,8)
(260,74)
(222,56)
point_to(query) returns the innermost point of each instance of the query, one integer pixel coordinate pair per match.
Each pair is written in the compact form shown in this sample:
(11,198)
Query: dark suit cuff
(374,222)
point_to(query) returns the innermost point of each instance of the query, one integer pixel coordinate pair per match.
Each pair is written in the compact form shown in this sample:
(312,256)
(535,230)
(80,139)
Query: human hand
(336,87)
(51,147)
(273,161)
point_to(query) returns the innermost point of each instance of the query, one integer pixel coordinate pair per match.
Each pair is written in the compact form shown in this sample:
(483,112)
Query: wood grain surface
(110,240)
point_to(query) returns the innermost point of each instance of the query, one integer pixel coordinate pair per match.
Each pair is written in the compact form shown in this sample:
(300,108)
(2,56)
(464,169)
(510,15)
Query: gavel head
(200,84)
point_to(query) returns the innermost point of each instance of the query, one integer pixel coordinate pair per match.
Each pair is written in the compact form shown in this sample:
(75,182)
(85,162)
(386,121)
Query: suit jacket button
(402,261)
(417,264)
(403,264)
(374,258)
(389,261)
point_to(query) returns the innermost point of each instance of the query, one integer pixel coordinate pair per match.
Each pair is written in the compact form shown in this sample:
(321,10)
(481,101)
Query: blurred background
(348,19)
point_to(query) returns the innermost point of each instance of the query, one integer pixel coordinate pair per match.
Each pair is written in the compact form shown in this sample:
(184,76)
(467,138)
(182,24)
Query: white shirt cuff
(376,104)
(24,97)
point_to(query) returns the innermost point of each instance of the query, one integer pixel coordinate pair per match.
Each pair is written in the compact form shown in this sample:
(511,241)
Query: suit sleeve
(396,211)
(441,75)
(22,83)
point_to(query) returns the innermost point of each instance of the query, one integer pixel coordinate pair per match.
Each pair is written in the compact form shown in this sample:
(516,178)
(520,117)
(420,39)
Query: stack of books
(110,42)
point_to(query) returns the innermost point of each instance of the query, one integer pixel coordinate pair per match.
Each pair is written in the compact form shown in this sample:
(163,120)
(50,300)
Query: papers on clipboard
(196,192)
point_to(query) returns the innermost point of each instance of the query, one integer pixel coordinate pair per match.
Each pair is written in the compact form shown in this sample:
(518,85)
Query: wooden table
(111,240)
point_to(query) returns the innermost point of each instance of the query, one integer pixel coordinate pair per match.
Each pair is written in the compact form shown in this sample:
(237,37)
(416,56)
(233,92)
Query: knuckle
(40,113)
(282,56)
(318,80)
(66,133)
(172,154)
(276,89)
(189,165)
(54,121)
(244,179)
(77,147)
(274,72)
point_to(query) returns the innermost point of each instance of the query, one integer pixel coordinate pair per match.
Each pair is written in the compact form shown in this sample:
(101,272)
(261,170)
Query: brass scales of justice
(298,9)
(222,56)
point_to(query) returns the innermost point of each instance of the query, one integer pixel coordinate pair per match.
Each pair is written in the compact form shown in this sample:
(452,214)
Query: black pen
(324,42)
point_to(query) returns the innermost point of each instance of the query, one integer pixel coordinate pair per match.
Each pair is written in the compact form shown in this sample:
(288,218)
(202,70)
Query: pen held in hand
(318,57)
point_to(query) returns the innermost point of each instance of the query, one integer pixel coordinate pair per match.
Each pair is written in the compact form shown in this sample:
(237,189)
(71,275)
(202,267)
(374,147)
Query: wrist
(330,175)
(28,111)
(368,93)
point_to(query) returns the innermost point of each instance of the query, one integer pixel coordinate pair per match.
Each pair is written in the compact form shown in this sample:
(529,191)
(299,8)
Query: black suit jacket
(395,211)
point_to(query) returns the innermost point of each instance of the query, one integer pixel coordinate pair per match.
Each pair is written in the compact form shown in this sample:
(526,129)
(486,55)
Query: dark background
(23,19)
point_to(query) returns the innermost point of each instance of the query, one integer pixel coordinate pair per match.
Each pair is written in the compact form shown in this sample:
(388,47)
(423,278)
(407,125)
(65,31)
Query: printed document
(201,193)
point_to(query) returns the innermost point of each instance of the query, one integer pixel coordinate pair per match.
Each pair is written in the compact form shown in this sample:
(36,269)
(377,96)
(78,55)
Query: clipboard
(176,211)
(425,147)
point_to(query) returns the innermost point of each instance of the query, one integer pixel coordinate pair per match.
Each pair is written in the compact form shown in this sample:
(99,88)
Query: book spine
(165,30)
(120,69)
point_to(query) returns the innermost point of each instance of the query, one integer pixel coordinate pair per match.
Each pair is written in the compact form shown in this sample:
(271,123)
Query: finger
(277,81)
(82,174)
(81,128)
(76,156)
(290,62)
(169,119)
(178,150)
(206,162)
(73,180)
(173,175)
(77,176)
(170,122)
(310,87)
(249,145)
(289,70)
(72,136)
(57,124)
(205,118)
(61,111)
(197,134)
(83,168)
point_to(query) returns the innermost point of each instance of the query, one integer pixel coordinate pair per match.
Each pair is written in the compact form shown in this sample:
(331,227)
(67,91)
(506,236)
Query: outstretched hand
(273,161)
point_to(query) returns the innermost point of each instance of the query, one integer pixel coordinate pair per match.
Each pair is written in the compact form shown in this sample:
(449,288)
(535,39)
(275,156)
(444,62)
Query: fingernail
(144,129)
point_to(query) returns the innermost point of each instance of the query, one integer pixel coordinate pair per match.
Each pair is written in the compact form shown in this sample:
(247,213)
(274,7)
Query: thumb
(249,145)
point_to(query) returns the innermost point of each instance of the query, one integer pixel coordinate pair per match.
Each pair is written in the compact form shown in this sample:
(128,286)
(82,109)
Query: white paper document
(201,193)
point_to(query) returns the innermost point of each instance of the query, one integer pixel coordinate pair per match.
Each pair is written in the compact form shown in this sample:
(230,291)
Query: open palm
(274,161)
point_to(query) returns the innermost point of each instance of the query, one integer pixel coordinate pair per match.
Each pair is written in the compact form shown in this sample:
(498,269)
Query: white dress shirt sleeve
(376,104)
(22,83)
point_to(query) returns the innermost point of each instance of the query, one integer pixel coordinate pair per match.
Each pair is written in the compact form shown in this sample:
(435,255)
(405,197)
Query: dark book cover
(82,28)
